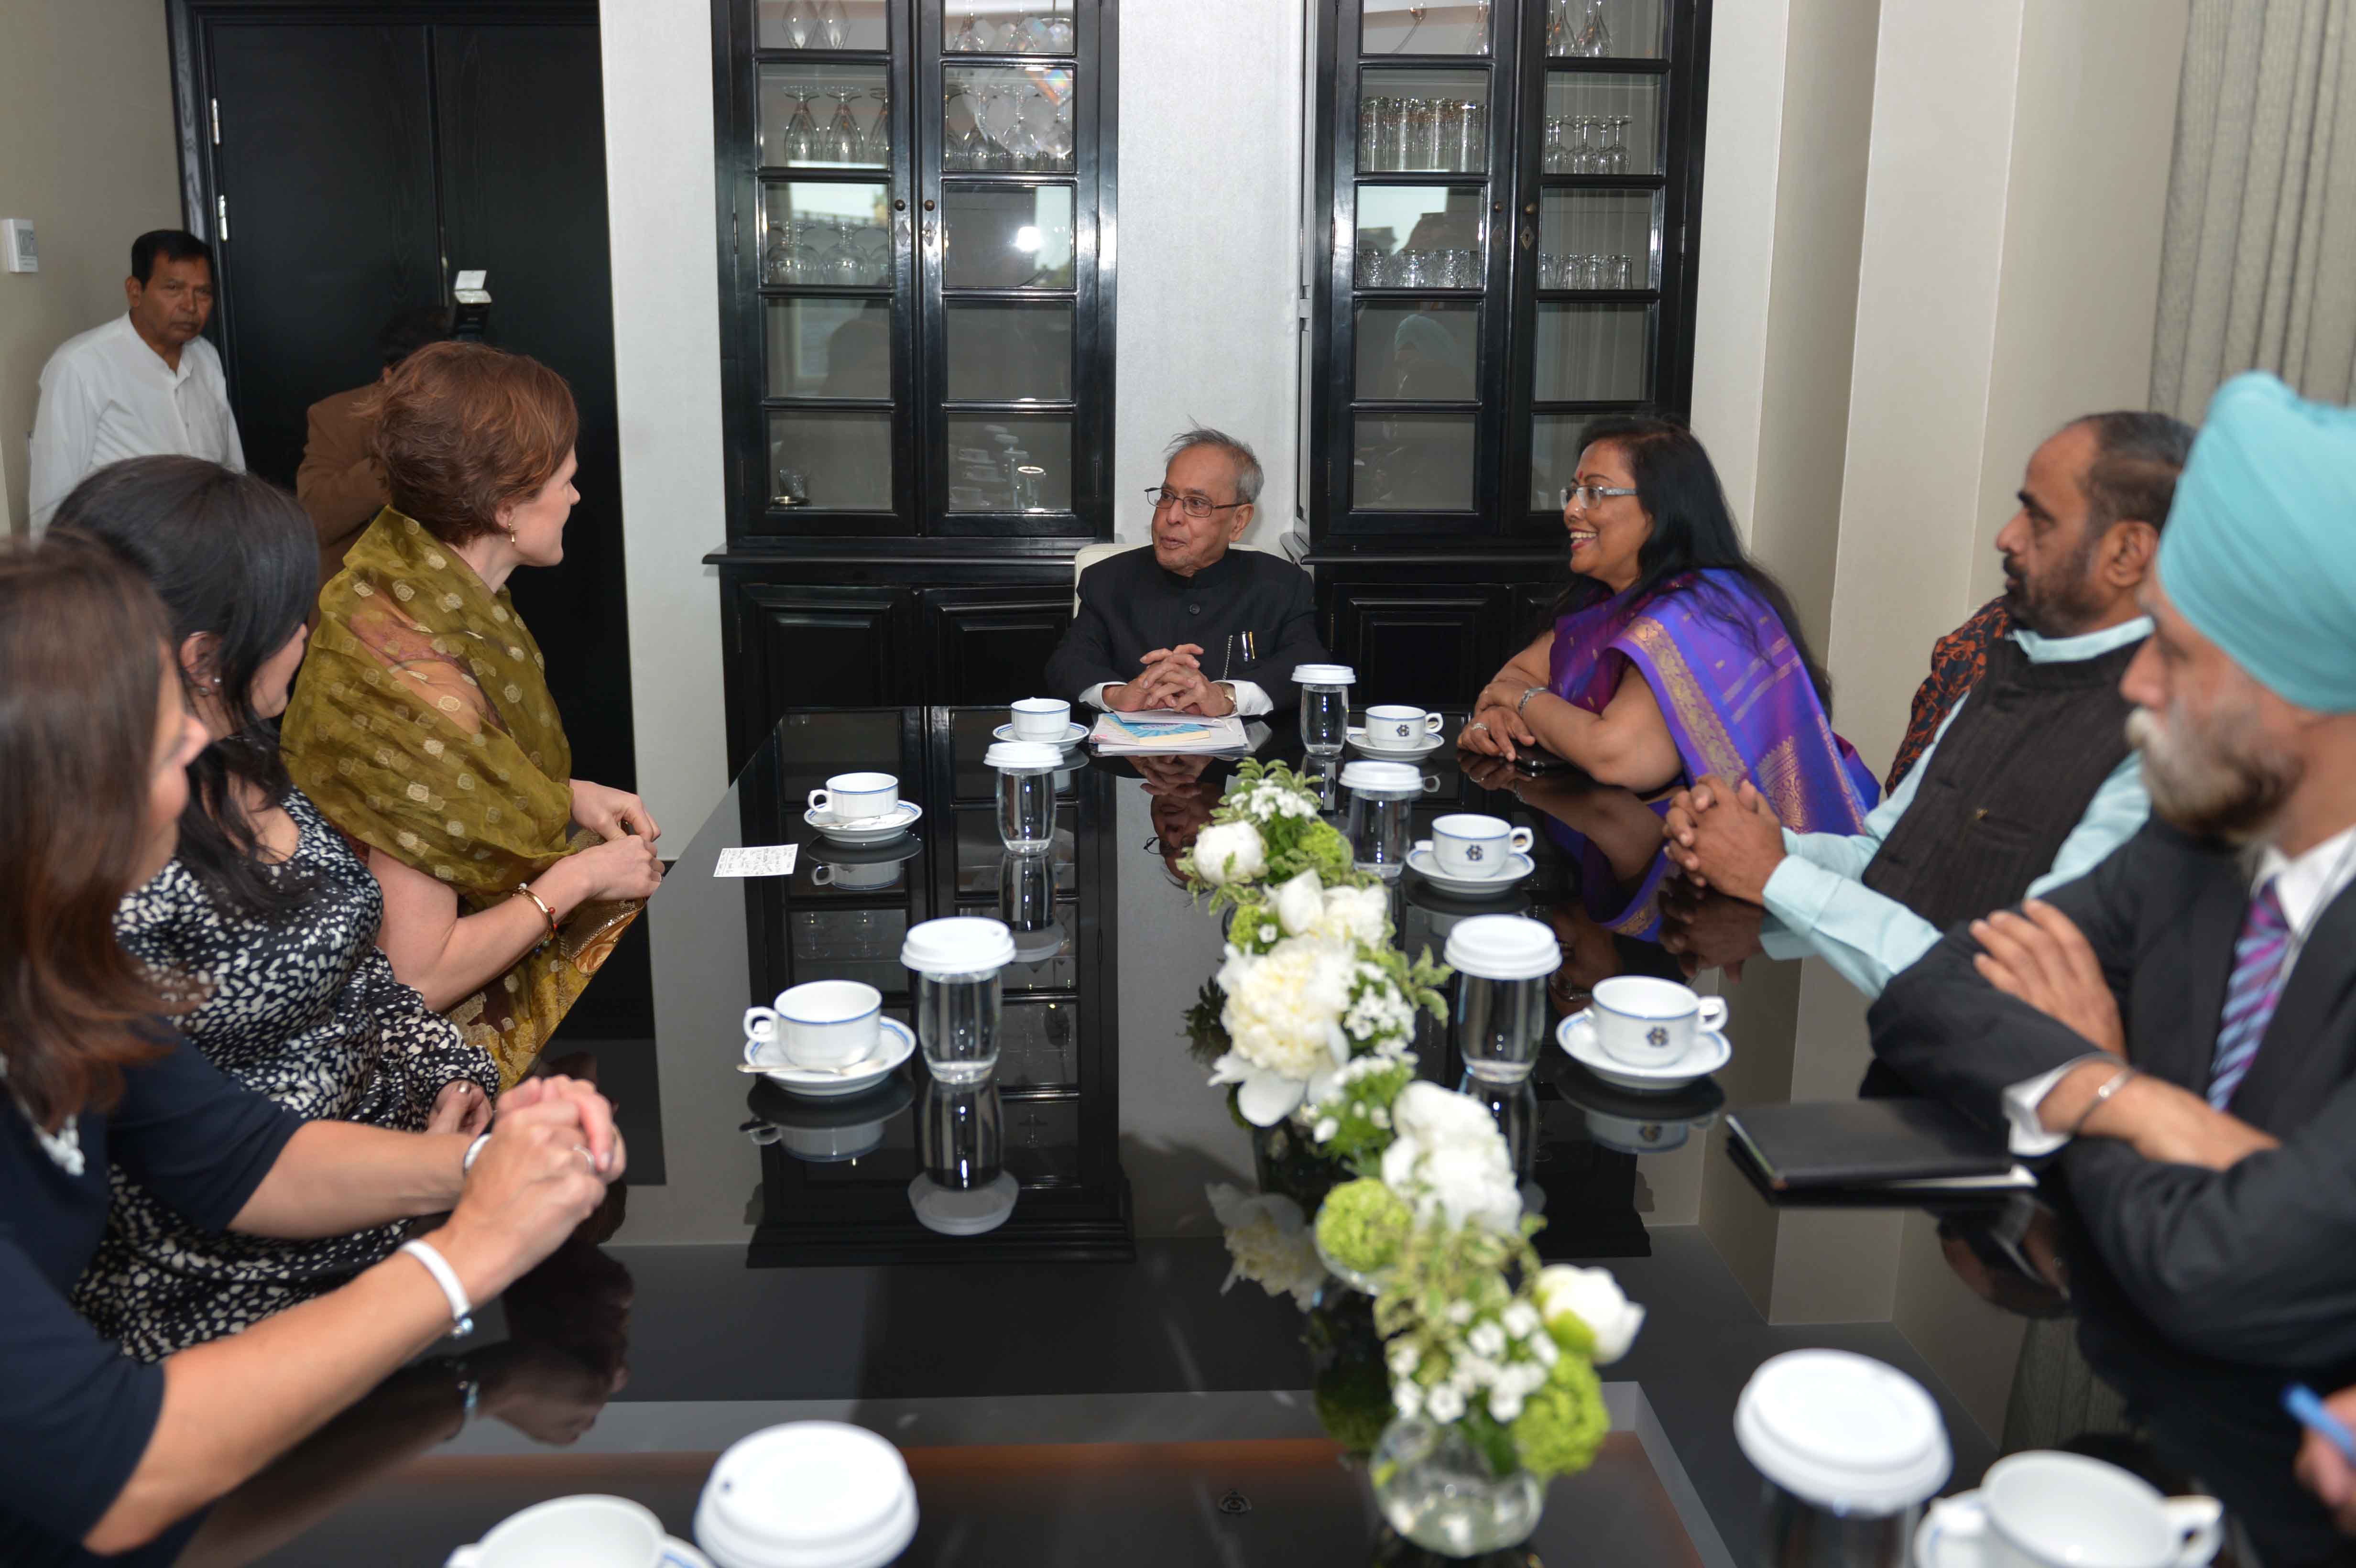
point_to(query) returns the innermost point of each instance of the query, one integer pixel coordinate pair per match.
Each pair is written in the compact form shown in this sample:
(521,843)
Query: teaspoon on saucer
(864,1064)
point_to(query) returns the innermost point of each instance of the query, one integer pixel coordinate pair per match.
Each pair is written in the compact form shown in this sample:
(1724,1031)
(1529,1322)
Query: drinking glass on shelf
(1559,27)
(999,155)
(1615,150)
(1414,271)
(1624,273)
(1556,159)
(832,29)
(876,143)
(778,256)
(873,243)
(1593,37)
(1059,29)
(1448,147)
(1480,26)
(846,264)
(971,37)
(1373,269)
(842,139)
(1422,146)
(801,143)
(1057,141)
(1586,158)
(1595,270)
(1391,153)
(1476,156)
(1023,35)
(970,149)
(799,23)
(1023,141)
(1370,133)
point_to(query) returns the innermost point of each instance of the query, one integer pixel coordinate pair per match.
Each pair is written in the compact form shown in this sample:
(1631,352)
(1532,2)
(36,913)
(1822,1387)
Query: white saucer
(1074,734)
(678,1553)
(1935,1546)
(1421,861)
(867,829)
(1710,1051)
(1357,740)
(895,1047)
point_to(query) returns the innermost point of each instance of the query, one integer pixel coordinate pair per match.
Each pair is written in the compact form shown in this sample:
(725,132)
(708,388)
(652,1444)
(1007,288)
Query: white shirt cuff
(2029,1136)
(1094,696)
(1250,701)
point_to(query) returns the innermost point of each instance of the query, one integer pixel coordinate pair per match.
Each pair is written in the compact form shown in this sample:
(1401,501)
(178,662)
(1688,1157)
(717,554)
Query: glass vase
(1436,1487)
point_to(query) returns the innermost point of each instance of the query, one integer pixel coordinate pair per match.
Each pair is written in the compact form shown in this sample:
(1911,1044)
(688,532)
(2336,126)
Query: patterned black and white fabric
(307,1012)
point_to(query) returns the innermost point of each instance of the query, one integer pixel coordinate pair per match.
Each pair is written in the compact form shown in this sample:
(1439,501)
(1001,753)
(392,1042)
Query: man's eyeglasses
(1588,495)
(1195,507)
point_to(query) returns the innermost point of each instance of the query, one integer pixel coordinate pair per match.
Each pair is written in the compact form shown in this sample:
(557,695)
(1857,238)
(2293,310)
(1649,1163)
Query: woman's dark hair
(235,557)
(1693,528)
(81,652)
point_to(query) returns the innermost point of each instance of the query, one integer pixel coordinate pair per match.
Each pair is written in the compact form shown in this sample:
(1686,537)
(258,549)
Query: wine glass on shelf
(971,39)
(1593,38)
(845,264)
(832,28)
(801,142)
(842,139)
(1558,27)
(799,24)
(1556,159)
(875,141)
(1059,28)
(967,149)
(1023,139)
(1615,149)
(998,131)
(1056,142)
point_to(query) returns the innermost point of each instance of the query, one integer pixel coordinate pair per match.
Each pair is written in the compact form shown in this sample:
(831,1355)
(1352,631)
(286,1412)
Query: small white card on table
(757,860)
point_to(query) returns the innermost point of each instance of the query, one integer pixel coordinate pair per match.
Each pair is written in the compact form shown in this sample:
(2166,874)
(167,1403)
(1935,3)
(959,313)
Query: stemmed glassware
(842,144)
(1029,154)
(876,143)
(1056,143)
(801,144)
(1612,158)
(970,149)
(1593,35)
(1059,28)
(997,134)
(971,39)
(833,28)
(799,23)
(1556,159)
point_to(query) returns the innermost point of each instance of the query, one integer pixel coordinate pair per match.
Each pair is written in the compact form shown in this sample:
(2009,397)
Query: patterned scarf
(422,725)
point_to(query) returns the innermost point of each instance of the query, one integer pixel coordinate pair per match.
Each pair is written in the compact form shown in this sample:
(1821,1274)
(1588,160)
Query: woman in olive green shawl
(422,724)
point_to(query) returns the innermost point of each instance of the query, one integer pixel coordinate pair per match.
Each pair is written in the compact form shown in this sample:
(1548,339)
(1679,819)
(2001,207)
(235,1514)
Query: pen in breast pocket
(2308,1405)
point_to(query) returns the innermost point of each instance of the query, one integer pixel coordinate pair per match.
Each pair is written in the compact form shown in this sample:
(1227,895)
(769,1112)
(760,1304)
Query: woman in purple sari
(1725,682)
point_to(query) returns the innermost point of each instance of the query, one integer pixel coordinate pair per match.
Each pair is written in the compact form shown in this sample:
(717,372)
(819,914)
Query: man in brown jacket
(339,484)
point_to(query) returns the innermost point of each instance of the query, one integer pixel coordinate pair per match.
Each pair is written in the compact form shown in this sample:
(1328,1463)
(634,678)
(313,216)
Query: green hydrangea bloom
(1563,1423)
(1364,1225)
(1571,1335)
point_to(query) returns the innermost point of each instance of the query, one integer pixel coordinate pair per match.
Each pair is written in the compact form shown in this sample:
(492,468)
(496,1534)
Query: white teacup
(1041,719)
(1467,844)
(588,1531)
(1398,727)
(824,1023)
(852,797)
(1646,1022)
(864,874)
(2048,1510)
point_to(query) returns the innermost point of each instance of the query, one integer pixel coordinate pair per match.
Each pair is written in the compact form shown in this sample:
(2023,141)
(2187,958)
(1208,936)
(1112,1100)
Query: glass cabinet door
(922,240)
(1509,190)
(1418,265)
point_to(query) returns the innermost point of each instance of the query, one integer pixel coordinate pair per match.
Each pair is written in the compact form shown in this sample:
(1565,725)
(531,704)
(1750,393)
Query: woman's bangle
(546,913)
(1525,702)
(467,1166)
(2116,1082)
(462,1311)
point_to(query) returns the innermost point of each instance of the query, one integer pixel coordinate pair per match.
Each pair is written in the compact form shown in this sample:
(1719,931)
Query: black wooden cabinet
(916,311)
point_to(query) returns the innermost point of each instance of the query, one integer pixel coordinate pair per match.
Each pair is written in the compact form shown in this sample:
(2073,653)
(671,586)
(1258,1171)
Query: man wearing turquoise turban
(2181,1022)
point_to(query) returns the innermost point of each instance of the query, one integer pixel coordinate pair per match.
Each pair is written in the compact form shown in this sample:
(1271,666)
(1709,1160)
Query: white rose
(1361,914)
(1269,1241)
(1283,1022)
(1228,852)
(1448,1159)
(1299,907)
(1594,1297)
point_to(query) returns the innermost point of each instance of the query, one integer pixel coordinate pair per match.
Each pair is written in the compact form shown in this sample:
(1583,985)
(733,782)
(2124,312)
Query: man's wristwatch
(1230,688)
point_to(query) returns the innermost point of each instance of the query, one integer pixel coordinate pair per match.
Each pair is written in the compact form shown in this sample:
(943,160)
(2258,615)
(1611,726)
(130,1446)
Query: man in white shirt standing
(145,383)
(2030,783)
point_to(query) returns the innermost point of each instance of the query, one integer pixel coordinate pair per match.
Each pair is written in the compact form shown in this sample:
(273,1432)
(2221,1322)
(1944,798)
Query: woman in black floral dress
(265,910)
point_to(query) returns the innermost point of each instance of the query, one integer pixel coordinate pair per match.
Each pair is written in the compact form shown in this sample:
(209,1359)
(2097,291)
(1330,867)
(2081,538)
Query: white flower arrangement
(1571,1299)
(1449,1160)
(1284,1020)
(1228,852)
(1268,1243)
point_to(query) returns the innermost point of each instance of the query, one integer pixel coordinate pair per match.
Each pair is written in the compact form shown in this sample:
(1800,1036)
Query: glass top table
(1082,1373)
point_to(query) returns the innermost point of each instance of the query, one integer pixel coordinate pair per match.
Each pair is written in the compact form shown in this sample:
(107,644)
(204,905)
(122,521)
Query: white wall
(87,152)
(661,203)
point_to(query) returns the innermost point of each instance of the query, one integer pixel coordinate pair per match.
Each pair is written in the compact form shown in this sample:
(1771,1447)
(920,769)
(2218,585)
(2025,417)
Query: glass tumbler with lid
(1502,964)
(1026,792)
(1324,706)
(956,964)
(1851,1449)
(1382,803)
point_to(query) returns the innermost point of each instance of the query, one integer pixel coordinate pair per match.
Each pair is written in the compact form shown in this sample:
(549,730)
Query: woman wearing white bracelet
(105,1453)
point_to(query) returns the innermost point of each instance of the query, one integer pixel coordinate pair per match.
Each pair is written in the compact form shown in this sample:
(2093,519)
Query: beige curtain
(2258,259)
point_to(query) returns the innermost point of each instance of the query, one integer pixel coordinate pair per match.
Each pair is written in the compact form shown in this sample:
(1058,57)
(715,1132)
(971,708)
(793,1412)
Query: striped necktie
(2251,994)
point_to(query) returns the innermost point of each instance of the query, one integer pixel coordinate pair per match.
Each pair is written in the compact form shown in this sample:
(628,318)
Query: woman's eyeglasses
(1588,495)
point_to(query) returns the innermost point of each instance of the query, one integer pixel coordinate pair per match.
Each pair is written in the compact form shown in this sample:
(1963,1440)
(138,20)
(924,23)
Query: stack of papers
(1159,730)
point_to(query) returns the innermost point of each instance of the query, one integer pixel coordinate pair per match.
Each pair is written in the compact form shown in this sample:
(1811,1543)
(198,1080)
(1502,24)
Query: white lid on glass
(1843,1431)
(810,1494)
(1382,778)
(1038,946)
(970,1214)
(1024,756)
(1503,947)
(1324,674)
(960,945)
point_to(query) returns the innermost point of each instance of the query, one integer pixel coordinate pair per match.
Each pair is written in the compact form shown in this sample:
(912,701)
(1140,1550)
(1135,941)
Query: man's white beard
(2224,782)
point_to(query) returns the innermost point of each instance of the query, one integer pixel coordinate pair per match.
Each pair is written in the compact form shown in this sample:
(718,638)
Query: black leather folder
(1895,1146)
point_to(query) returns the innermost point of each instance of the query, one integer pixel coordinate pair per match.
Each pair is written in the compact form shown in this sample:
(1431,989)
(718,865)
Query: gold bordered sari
(422,725)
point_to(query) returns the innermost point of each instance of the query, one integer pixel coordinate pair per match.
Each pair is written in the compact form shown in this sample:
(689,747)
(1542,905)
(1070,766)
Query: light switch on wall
(16,245)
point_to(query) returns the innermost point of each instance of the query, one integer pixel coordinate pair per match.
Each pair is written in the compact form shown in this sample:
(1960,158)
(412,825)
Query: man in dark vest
(2030,781)
(1192,624)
